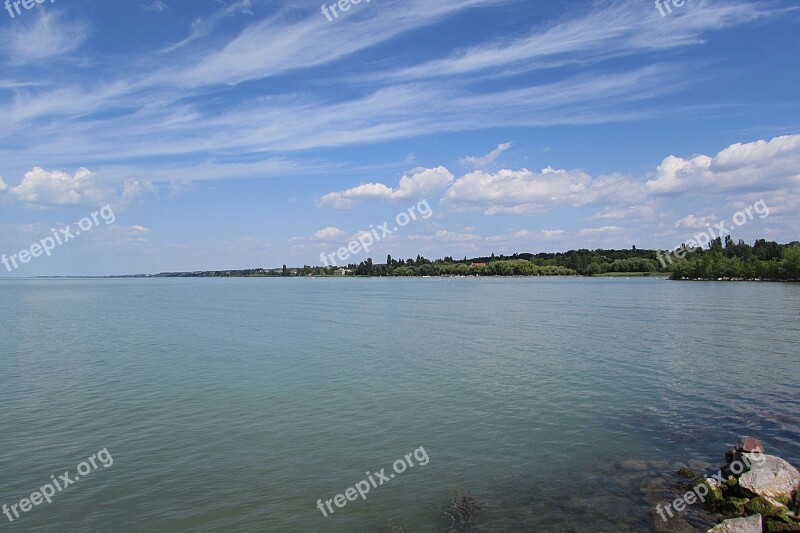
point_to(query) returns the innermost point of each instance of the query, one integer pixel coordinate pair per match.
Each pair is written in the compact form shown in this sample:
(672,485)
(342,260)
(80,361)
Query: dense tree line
(722,260)
(764,260)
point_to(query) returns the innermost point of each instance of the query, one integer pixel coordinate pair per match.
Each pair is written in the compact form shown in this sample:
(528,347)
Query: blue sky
(238,134)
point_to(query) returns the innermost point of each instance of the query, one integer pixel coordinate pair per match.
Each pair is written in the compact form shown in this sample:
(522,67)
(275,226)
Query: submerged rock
(751,524)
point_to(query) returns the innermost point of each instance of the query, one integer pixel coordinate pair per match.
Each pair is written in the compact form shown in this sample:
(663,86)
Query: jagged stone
(770,477)
(751,524)
(749,445)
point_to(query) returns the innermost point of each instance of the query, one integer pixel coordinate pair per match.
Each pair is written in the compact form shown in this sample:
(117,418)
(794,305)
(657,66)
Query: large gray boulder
(770,477)
(751,524)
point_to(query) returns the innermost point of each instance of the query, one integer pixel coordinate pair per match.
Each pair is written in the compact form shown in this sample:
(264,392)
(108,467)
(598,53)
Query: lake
(561,404)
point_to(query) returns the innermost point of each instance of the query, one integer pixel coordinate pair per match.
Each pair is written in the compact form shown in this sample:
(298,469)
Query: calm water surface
(235,404)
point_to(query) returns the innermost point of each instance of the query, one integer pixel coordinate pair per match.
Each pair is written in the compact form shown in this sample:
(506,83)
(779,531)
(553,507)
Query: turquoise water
(235,404)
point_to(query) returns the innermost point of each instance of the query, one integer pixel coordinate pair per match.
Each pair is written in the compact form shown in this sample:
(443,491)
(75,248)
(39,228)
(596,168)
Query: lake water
(235,404)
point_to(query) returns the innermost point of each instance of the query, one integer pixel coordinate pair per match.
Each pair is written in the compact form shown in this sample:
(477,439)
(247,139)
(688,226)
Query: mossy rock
(714,499)
(776,525)
(764,508)
(688,473)
(735,507)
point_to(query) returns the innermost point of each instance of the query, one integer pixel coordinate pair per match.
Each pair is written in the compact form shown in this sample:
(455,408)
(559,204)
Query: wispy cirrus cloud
(605,31)
(159,108)
(46,35)
(158,6)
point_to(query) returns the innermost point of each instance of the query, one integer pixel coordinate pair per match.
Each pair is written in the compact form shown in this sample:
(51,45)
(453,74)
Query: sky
(233,134)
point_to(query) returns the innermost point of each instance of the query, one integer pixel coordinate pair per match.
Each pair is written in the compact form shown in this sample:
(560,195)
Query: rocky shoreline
(752,493)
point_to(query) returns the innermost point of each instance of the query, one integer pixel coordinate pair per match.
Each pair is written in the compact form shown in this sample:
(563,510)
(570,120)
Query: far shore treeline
(764,260)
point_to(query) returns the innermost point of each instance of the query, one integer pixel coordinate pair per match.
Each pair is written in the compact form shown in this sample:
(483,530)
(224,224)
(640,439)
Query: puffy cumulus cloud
(421,183)
(757,166)
(487,160)
(43,188)
(524,192)
(329,234)
(3,185)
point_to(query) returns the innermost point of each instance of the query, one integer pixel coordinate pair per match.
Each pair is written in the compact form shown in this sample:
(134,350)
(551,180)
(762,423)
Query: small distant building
(343,272)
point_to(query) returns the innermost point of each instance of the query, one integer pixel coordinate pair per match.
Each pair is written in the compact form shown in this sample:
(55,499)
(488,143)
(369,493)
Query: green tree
(791,262)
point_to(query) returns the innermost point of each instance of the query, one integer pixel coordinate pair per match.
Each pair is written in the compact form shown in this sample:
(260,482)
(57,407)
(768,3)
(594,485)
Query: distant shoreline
(615,275)
(722,261)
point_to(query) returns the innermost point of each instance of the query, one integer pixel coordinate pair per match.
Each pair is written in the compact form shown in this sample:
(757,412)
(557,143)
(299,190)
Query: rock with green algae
(771,510)
(767,487)
(761,506)
(776,526)
(734,506)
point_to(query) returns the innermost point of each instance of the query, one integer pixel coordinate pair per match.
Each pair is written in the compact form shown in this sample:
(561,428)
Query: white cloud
(552,234)
(602,231)
(421,183)
(282,42)
(176,188)
(157,6)
(43,188)
(768,168)
(47,36)
(524,192)
(329,234)
(636,212)
(203,27)
(604,31)
(520,237)
(3,185)
(447,236)
(756,166)
(692,221)
(487,160)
